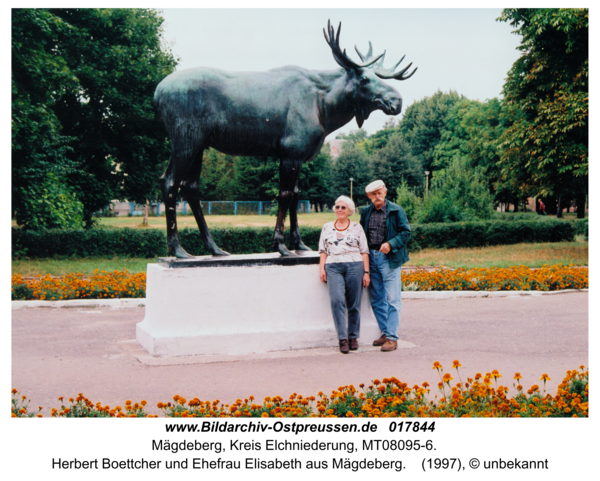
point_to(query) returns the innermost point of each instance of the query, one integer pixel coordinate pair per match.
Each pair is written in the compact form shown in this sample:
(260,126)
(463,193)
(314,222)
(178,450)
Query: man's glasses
(337,207)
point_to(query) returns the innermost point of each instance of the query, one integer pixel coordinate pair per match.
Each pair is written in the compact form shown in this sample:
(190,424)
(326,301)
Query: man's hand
(385,248)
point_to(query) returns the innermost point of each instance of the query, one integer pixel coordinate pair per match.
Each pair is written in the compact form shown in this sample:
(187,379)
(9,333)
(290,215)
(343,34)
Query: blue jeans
(384,291)
(344,281)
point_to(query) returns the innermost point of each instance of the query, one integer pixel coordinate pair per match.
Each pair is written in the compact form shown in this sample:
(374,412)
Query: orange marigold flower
(456,364)
(437,365)
(545,377)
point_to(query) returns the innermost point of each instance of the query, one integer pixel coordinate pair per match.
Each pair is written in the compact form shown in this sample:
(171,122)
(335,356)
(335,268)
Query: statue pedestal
(240,305)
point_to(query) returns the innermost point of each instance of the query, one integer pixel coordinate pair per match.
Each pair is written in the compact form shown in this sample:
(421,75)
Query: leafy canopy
(548,145)
(82,87)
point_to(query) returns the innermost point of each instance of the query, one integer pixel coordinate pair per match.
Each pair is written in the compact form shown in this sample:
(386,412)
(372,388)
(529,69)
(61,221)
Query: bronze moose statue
(284,113)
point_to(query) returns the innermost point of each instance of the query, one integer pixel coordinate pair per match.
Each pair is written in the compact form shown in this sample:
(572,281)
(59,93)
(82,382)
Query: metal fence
(240,207)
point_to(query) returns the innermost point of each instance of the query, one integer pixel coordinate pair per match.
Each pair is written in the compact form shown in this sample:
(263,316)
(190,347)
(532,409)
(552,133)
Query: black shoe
(353,344)
(344,348)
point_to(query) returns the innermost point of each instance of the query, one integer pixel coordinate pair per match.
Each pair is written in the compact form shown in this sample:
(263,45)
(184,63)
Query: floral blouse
(344,246)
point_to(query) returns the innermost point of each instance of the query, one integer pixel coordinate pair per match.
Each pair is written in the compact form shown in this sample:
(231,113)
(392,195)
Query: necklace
(341,230)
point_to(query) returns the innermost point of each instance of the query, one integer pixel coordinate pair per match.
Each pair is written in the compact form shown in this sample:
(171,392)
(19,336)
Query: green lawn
(313,220)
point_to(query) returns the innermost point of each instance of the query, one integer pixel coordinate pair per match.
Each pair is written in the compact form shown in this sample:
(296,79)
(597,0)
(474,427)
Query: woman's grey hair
(348,201)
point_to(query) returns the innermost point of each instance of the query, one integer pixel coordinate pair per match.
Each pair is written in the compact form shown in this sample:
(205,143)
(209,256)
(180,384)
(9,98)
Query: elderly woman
(344,267)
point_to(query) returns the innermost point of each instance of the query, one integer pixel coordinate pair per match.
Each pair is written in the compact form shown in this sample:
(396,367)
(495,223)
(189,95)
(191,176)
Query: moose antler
(366,58)
(389,74)
(382,72)
(340,56)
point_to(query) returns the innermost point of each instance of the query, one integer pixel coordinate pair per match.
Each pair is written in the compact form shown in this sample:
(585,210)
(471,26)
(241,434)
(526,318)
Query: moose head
(364,89)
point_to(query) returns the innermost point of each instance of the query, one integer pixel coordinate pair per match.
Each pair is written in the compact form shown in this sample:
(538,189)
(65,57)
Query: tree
(216,179)
(394,163)
(408,200)
(471,131)
(354,136)
(423,123)
(458,193)
(82,88)
(39,149)
(549,82)
(351,163)
(380,138)
(315,177)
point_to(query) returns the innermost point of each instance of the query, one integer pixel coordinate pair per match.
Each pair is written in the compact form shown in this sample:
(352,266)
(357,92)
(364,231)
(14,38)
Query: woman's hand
(366,280)
(322,262)
(323,276)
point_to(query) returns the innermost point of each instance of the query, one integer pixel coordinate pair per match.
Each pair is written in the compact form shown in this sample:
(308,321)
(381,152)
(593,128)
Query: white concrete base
(240,310)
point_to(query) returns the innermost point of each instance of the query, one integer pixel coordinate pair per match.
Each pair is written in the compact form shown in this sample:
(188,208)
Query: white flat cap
(373,186)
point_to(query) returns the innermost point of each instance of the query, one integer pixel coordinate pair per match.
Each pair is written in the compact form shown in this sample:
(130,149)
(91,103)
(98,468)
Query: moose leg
(170,182)
(191,193)
(294,230)
(288,177)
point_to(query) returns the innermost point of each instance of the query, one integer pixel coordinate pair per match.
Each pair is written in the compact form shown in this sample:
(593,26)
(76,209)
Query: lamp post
(427,182)
(351,179)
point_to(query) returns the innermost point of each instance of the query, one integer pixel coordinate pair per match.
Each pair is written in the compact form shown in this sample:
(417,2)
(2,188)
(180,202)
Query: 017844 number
(412,426)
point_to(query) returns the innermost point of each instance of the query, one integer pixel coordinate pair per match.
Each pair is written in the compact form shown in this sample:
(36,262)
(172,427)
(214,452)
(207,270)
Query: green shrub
(49,204)
(483,233)
(581,227)
(148,243)
(140,243)
(409,201)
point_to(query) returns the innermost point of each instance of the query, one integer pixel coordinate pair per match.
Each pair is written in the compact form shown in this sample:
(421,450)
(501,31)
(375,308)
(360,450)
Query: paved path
(61,352)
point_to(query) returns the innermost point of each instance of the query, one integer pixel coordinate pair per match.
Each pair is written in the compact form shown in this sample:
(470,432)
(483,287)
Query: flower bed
(480,396)
(100,285)
(517,278)
(122,284)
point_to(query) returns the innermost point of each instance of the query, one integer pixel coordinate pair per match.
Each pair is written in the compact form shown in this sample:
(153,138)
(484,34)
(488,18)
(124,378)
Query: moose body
(284,113)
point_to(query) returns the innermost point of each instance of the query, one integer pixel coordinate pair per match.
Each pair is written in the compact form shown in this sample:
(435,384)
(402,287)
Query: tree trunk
(550,205)
(146,208)
(559,212)
(580,203)
(517,200)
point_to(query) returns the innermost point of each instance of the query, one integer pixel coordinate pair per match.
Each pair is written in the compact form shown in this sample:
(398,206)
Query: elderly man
(388,232)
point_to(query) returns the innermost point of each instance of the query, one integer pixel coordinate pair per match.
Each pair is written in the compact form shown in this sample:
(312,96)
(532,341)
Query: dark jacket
(398,232)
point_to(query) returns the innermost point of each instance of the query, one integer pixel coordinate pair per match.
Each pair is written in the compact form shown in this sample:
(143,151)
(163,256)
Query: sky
(465,50)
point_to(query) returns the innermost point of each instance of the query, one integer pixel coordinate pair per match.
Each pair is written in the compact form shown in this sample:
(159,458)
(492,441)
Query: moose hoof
(284,251)
(180,253)
(301,247)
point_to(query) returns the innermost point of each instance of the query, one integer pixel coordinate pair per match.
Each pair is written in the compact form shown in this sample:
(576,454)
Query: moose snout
(392,104)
